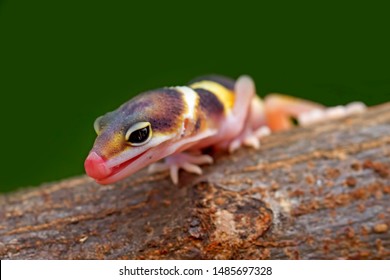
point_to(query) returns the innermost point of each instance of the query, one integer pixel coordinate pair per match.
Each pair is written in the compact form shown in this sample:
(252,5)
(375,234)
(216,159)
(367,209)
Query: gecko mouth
(116,169)
(96,167)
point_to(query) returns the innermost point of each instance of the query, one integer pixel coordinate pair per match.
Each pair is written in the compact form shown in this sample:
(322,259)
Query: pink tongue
(96,167)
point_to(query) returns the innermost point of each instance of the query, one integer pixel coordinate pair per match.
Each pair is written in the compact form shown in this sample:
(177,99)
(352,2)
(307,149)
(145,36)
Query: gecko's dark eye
(139,134)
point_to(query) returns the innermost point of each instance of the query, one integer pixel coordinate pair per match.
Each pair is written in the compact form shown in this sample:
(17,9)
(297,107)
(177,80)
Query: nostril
(95,166)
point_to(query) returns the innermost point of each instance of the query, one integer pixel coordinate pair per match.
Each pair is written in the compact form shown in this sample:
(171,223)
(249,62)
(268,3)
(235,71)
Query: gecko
(166,129)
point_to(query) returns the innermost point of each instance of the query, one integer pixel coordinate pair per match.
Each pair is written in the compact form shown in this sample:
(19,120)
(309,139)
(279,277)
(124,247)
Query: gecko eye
(139,134)
(96,125)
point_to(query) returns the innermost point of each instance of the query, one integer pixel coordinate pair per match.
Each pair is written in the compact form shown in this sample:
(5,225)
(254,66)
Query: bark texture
(321,192)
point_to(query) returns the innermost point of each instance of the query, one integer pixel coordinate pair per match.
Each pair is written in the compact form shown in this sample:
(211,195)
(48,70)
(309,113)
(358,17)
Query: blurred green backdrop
(63,63)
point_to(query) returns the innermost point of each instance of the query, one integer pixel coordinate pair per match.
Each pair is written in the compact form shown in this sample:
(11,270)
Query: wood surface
(321,192)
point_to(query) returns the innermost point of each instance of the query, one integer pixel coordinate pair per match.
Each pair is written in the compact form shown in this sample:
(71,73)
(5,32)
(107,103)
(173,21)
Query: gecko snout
(96,167)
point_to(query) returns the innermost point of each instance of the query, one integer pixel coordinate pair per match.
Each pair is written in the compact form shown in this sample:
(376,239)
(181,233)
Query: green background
(63,63)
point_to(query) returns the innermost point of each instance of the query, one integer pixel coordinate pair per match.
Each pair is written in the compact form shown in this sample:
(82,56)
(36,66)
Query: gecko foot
(174,163)
(249,138)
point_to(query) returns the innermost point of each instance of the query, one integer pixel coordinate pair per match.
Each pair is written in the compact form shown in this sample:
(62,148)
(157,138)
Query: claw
(262,132)
(174,171)
(192,168)
(249,138)
(252,141)
(181,161)
(234,145)
(200,159)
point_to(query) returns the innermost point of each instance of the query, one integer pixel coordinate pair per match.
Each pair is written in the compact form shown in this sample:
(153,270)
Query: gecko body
(176,123)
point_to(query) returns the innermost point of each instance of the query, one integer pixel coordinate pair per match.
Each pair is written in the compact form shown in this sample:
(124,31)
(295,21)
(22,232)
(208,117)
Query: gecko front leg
(175,162)
(247,124)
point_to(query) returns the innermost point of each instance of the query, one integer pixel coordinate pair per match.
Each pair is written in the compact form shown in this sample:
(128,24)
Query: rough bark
(321,192)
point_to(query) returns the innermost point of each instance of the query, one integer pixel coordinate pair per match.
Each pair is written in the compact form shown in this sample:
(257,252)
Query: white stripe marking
(190,97)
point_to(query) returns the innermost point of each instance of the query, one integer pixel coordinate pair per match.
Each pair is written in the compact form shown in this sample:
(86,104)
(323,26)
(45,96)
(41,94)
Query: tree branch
(313,193)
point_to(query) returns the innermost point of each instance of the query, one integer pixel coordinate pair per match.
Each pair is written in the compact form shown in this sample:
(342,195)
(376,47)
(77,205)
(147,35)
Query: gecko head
(135,135)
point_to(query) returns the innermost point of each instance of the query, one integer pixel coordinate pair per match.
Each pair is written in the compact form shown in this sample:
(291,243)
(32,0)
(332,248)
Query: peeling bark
(321,192)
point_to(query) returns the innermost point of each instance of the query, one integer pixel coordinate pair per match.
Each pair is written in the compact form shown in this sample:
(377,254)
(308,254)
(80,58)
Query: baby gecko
(176,123)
